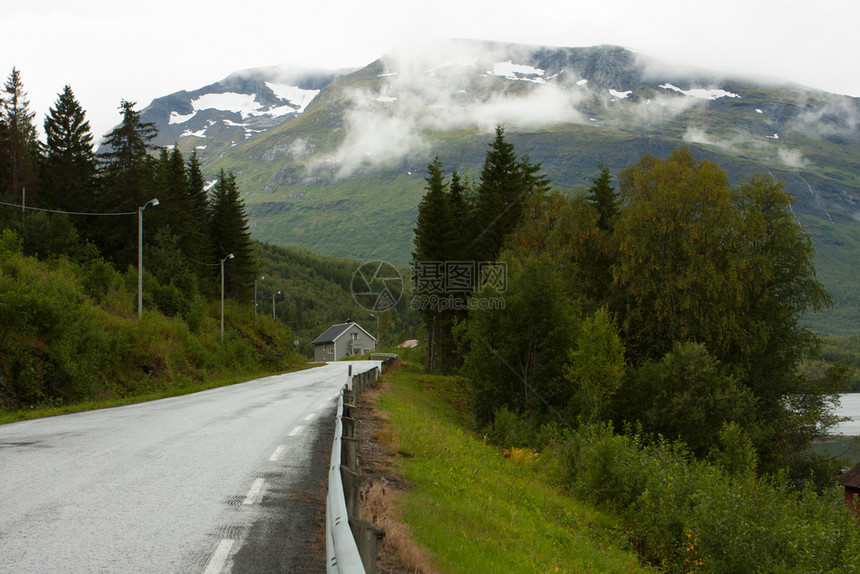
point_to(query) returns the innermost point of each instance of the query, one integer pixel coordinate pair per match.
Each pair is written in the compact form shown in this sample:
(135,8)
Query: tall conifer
(127,183)
(602,196)
(20,145)
(505,185)
(229,232)
(68,162)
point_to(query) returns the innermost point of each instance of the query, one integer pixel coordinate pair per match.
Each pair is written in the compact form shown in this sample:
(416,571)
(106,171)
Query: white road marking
(310,417)
(254,492)
(296,430)
(219,557)
(276,456)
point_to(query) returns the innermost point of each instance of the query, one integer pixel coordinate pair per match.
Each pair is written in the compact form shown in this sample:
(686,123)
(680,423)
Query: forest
(673,304)
(646,344)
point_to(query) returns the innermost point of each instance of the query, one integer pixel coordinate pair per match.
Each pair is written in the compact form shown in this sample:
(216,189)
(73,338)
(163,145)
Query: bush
(689,515)
(69,335)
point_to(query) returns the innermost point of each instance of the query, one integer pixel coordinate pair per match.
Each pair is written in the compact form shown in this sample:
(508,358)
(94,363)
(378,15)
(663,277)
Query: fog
(441,87)
(478,85)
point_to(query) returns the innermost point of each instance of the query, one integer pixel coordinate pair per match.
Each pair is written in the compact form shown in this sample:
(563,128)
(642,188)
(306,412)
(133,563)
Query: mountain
(334,161)
(221,115)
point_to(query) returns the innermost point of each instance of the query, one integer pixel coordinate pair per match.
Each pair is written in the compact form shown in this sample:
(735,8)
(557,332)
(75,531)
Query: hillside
(342,173)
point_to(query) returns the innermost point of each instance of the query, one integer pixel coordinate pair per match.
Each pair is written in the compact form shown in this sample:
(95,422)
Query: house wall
(324,352)
(353,341)
(347,345)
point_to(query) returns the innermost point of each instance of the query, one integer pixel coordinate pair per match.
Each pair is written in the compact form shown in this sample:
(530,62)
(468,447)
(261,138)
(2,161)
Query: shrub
(689,515)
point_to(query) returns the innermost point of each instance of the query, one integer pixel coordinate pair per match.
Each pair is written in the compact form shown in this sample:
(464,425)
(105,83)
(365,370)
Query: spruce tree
(433,241)
(20,145)
(229,233)
(128,145)
(171,183)
(433,225)
(602,196)
(198,209)
(127,183)
(68,161)
(596,268)
(505,185)
(460,209)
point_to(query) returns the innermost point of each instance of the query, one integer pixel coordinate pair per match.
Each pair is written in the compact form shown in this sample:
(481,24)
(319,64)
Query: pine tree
(433,240)
(20,145)
(596,268)
(433,225)
(505,186)
(602,196)
(198,209)
(460,209)
(171,183)
(128,146)
(127,183)
(68,161)
(229,232)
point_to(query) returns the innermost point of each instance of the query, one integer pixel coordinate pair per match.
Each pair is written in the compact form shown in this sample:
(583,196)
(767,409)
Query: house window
(353,336)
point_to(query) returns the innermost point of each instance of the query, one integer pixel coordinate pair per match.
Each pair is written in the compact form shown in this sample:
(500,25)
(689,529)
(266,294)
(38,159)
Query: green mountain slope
(345,176)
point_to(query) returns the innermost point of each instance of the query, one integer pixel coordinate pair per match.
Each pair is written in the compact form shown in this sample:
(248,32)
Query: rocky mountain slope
(335,161)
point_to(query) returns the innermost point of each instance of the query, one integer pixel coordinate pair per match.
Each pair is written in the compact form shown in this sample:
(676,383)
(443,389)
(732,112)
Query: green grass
(474,510)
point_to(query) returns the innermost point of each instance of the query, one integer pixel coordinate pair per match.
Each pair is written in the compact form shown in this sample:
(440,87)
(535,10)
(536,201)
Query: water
(850,407)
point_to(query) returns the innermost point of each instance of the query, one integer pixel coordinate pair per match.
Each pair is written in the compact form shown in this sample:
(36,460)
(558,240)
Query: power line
(200,262)
(65,212)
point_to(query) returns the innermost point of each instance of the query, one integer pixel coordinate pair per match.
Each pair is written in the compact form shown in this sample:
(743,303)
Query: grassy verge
(476,511)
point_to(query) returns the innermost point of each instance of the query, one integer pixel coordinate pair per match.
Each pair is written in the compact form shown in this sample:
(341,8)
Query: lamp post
(255,297)
(273,304)
(377,328)
(154,202)
(222,294)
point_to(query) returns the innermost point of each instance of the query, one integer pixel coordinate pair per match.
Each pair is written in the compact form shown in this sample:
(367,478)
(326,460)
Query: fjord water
(844,443)
(849,407)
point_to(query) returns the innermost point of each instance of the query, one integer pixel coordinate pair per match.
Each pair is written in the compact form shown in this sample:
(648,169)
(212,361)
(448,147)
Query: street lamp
(255,297)
(273,303)
(222,294)
(154,202)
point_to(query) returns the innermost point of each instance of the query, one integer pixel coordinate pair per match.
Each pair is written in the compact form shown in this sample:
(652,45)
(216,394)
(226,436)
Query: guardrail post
(368,538)
(348,403)
(351,491)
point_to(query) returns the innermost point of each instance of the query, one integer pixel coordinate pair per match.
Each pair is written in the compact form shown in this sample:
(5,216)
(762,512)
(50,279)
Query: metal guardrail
(351,543)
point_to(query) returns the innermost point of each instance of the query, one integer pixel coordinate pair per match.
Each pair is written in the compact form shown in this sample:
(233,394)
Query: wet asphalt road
(201,483)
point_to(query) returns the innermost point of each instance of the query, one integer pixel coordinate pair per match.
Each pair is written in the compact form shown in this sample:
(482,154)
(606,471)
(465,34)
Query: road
(188,484)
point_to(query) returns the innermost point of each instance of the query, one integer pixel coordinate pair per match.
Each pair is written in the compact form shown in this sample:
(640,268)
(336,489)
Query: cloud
(374,137)
(791,158)
(838,116)
(453,85)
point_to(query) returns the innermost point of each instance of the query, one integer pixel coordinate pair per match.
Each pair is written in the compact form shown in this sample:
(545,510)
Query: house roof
(851,477)
(335,331)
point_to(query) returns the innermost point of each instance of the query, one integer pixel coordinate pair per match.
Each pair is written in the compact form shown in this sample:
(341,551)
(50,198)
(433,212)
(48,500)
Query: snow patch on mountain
(177,118)
(520,72)
(293,94)
(247,105)
(619,95)
(244,104)
(197,134)
(701,93)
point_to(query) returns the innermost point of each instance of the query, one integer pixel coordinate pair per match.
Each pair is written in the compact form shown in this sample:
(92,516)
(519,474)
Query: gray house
(341,340)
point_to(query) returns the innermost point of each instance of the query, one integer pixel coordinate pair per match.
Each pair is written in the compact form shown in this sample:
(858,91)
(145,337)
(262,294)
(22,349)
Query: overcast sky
(109,50)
